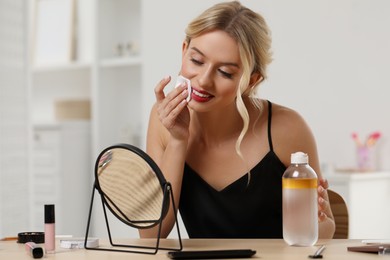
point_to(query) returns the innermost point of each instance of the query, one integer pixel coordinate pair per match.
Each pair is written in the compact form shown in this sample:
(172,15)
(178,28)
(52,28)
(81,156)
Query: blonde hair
(253,37)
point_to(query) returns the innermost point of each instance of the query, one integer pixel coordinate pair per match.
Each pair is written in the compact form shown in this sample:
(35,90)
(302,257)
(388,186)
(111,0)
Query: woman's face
(212,63)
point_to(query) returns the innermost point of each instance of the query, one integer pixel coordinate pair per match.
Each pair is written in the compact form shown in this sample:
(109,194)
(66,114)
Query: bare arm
(167,140)
(292,134)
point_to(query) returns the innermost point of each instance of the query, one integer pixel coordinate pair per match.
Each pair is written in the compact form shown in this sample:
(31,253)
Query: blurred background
(78,75)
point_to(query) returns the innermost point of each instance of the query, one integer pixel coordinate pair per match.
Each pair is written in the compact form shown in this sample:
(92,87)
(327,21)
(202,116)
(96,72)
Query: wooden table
(266,249)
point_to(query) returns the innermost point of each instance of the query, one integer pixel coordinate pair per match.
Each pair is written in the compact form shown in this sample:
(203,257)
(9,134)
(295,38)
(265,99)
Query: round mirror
(131,185)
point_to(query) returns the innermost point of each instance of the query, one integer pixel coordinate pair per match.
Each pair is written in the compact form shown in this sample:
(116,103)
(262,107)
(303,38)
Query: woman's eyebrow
(223,63)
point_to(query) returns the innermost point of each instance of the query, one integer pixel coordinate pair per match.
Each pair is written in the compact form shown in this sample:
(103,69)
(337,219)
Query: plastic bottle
(300,208)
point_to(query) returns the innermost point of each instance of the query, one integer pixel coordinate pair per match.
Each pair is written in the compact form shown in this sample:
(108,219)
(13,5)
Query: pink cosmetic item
(34,250)
(50,245)
(181,80)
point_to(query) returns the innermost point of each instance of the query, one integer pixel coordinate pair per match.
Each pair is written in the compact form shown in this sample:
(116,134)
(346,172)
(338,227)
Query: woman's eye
(226,74)
(197,62)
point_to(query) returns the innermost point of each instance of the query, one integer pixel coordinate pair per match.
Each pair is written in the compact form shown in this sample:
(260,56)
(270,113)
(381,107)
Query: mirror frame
(110,204)
(167,193)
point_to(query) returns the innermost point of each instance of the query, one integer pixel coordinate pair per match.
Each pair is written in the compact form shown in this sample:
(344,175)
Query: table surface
(266,249)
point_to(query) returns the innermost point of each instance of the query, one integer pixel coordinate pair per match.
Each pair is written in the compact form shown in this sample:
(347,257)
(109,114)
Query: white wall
(330,64)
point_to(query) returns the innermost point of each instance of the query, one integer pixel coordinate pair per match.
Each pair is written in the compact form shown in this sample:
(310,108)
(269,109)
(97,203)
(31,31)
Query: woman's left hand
(323,200)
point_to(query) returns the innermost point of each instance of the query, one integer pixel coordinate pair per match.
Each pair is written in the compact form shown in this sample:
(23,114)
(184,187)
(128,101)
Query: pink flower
(376,135)
(372,138)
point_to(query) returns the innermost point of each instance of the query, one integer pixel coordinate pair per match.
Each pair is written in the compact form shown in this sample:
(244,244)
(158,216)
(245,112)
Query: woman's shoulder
(290,132)
(279,112)
(285,115)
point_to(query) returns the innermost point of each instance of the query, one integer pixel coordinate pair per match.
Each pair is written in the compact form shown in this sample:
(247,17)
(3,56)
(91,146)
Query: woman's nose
(205,78)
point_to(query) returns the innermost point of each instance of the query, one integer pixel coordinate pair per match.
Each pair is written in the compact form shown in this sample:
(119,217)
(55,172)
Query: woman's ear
(253,81)
(255,78)
(184,48)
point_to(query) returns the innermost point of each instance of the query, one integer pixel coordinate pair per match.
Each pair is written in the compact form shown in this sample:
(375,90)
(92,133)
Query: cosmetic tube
(50,245)
(34,250)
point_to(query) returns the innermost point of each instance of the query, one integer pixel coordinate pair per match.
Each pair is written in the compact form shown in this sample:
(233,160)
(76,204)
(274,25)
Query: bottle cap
(49,214)
(299,158)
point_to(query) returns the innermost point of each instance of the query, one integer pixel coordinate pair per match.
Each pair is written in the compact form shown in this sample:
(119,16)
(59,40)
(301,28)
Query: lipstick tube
(50,245)
(34,250)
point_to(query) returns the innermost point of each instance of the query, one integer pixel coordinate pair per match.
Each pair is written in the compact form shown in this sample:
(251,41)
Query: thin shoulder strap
(269,125)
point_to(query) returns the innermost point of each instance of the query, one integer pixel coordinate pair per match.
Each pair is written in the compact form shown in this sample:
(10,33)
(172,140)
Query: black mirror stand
(167,191)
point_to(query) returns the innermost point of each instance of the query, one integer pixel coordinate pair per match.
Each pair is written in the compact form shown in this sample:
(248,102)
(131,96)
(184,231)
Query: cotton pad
(182,79)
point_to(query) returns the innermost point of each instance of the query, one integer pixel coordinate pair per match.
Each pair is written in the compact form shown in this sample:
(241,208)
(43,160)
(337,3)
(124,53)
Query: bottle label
(297,183)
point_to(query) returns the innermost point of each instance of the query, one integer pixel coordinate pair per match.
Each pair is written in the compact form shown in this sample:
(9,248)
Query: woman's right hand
(172,109)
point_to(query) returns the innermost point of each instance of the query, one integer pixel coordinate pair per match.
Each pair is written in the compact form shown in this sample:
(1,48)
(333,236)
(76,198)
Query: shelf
(48,124)
(62,67)
(121,62)
(56,124)
(104,73)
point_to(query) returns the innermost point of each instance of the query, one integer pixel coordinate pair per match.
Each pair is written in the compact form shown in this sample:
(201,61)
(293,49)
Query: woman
(224,151)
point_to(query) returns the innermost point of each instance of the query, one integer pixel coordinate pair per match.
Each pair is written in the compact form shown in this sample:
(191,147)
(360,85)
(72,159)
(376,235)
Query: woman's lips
(200,96)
